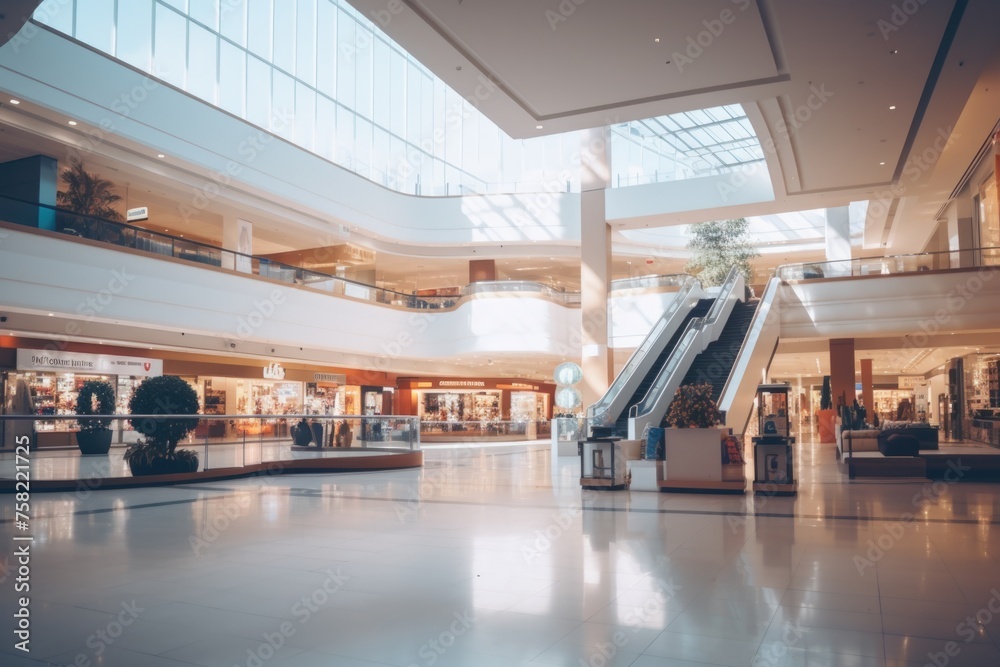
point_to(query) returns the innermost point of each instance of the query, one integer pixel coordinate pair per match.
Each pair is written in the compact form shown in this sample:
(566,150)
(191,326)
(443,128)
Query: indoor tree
(89,195)
(718,246)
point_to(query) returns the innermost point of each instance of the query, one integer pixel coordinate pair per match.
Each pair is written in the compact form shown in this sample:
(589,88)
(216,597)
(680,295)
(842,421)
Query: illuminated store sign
(461,383)
(81,362)
(274,371)
(336,378)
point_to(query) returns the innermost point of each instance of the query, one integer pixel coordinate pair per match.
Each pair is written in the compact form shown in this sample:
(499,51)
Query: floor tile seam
(230,492)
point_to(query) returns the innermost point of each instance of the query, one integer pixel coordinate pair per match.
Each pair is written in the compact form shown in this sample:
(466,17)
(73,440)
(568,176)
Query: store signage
(136,214)
(336,378)
(911,381)
(80,362)
(274,371)
(461,383)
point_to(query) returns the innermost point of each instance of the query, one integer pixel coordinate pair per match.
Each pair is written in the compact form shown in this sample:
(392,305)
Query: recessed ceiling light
(458,68)
(893,52)
(882,163)
(72,122)
(15,101)
(160,155)
(538,127)
(892,107)
(52,314)
(657,40)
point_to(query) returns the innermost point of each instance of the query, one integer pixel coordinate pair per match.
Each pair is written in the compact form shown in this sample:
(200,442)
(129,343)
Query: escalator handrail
(698,324)
(753,331)
(598,412)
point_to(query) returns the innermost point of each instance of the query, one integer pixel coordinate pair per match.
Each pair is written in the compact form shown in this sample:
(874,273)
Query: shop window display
(451,409)
(268,398)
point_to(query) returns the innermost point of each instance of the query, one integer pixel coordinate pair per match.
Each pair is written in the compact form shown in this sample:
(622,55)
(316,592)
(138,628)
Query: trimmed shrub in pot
(95,397)
(157,453)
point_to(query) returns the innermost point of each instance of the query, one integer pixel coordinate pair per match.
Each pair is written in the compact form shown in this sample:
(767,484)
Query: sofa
(867,440)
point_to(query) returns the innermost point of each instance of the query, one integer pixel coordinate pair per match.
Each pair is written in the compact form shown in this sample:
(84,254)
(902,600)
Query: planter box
(693,454)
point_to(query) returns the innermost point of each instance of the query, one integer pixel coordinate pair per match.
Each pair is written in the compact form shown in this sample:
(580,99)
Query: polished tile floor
(493,556)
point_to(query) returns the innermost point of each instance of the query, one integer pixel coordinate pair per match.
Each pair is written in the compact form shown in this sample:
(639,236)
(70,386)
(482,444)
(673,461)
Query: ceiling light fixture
(656,39)
(160,155)
(882,163)
(72,122)
(892,107)
(15,102)
(538,127)
(893,52)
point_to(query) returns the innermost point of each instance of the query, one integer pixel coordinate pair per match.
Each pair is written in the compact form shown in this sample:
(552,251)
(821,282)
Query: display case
(214,404)
(774,471)
(602,464)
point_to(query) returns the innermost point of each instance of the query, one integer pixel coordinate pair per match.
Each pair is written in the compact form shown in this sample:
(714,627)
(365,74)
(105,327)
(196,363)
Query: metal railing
(891,265)
(492,428)
(222,441)
(139,238)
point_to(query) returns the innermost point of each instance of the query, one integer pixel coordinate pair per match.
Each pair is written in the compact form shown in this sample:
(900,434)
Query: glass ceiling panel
(701,142)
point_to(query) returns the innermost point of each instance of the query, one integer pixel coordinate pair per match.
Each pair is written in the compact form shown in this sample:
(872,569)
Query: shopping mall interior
(426,272)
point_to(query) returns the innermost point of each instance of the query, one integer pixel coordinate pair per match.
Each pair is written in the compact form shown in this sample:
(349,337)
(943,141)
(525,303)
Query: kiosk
(774,472)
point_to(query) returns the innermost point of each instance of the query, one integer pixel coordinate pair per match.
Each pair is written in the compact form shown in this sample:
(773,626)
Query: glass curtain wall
(325,77)
(321,75)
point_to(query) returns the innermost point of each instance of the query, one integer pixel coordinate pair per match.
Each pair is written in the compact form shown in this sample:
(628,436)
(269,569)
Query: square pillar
(842,370)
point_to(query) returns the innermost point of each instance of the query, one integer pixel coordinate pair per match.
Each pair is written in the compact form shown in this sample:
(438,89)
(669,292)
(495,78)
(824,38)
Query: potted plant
(157,453)
(827,417)
(693,444)
(95,397)
(91,198)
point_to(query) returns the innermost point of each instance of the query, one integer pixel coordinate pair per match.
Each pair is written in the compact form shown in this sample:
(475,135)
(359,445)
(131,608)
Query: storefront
(492,406)
(51,380)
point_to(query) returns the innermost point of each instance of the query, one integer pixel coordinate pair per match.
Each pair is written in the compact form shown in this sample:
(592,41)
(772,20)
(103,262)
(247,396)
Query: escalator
(699,310)
(715,363)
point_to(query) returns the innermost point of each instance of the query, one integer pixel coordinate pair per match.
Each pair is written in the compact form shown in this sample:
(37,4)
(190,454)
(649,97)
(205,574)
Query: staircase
(716,363)
(699,310)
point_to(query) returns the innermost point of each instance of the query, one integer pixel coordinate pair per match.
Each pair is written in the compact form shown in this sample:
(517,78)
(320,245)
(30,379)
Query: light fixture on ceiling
(160,155)
(881,164)
(538,127)
(15,102)
(72,122)
(656,39)
(893,52)
(52,314)
(892,107)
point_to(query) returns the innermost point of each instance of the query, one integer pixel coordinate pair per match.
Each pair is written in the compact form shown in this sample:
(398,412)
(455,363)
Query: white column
(595,265)
(838,241)
(961,236)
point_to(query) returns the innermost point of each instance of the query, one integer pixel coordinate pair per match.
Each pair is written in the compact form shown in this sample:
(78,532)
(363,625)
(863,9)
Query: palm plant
(89,195)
